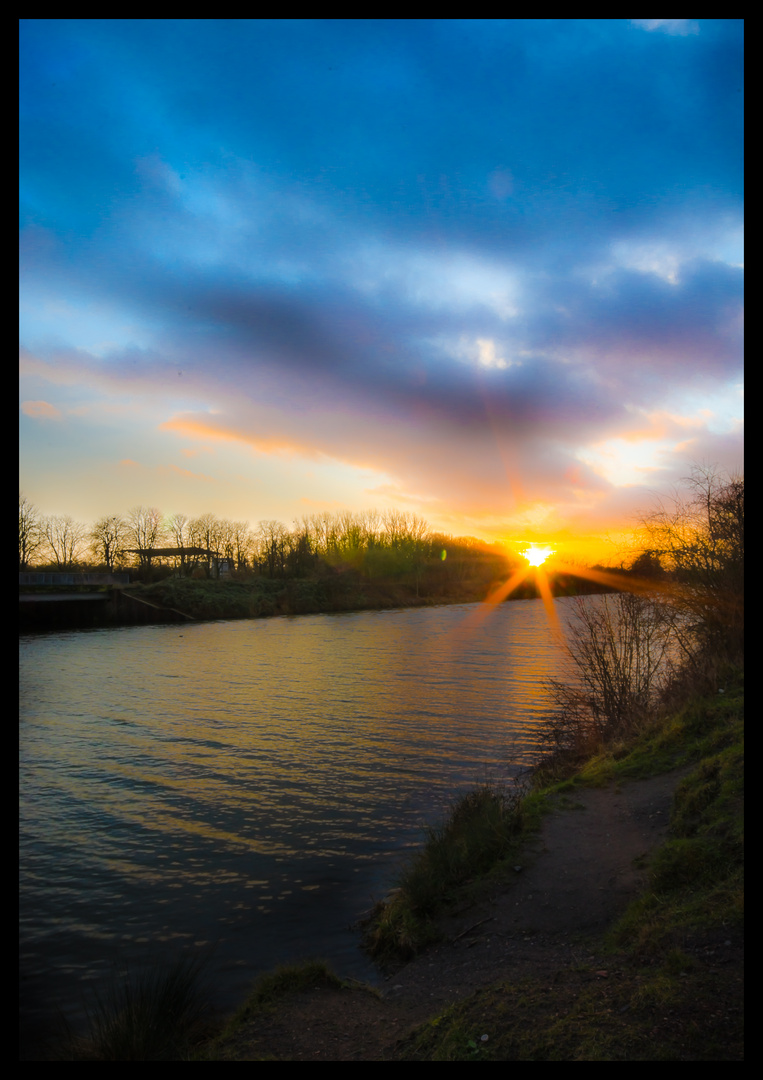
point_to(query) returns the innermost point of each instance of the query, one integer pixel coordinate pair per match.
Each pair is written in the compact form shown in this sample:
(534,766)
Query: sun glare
(545,576)
(537,555)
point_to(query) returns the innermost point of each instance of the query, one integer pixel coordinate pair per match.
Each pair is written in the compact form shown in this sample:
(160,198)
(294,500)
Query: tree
(647,565)
(620,652)
(299,555)
(64,538)
(698,534)
(323,533)
(30,532)
(272,539)
(108,537)
(144,530)
(241,538)
(178,529)
(205,532)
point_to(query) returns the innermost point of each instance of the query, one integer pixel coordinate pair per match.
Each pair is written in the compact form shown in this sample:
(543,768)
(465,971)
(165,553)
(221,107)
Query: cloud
(217,430)
(680,27)
(41,410)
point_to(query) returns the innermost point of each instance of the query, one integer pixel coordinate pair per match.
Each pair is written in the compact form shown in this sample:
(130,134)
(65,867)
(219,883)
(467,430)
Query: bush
(619,652)
(631,655)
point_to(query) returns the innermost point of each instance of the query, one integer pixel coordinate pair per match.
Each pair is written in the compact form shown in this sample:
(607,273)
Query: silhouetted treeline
(325,562)
(374,544)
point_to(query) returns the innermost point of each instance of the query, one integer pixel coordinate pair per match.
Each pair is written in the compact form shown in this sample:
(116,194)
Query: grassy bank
(657,998)
(702,864)
(333,590)
(262,597)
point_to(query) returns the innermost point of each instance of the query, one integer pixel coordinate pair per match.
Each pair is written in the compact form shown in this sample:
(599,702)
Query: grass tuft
(152,1016)
(478,831)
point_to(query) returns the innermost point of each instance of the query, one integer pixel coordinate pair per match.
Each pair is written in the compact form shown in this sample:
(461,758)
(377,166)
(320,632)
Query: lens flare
(537,555)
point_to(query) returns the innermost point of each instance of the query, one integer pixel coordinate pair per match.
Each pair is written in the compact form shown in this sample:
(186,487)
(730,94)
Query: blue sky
(489,271)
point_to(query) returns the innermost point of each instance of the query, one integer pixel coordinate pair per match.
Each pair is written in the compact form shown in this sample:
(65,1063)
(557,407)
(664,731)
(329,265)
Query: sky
(484,271)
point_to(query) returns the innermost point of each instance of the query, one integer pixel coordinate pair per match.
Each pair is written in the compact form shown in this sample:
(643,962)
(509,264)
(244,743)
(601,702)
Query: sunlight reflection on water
(251,783)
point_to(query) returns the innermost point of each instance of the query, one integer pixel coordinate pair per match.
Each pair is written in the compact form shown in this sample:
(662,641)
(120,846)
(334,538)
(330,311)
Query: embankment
(180,599)
(615,933)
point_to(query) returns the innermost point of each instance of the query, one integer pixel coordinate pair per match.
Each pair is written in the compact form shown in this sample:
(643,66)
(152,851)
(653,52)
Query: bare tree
(395,525)
(371,520)
(31,536)
(402,529)
(144,531)
(272,539)
(241,539)
(225,536)
(322,530)
(417,542)
(64,539)
(108,538)
(621,652)
(204,532)
(698,534)
(178,530)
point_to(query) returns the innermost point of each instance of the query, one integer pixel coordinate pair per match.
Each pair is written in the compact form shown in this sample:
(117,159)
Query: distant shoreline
(179,600)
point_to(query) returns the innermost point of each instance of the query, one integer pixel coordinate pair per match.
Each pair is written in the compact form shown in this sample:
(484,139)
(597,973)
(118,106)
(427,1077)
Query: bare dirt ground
(575,877)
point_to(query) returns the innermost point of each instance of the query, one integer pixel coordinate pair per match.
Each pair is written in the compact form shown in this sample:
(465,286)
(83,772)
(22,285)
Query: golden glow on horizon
(536,556)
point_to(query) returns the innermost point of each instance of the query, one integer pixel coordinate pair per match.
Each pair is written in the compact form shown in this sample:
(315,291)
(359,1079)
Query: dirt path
(573,880)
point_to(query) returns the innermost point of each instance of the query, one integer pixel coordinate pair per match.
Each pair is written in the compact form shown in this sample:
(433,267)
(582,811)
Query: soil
(572,881)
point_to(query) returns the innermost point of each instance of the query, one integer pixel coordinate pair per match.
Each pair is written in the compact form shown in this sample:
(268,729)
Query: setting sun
(537,555)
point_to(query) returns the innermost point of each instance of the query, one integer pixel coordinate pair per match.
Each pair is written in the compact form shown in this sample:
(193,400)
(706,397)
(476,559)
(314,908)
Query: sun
(536,555)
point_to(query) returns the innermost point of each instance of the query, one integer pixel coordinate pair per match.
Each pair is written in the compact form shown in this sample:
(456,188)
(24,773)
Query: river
(247,788)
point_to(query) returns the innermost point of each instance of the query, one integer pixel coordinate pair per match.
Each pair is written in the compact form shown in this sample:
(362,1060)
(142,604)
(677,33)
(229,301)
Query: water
(250,785)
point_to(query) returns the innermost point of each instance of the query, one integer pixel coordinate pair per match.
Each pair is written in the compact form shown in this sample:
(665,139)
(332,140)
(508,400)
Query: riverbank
(613,931)
(181,599)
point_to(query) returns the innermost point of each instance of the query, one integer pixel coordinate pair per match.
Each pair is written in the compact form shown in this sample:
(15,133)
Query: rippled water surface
(250,784)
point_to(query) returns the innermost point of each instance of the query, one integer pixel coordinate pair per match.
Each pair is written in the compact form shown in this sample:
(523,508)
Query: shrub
(619,652)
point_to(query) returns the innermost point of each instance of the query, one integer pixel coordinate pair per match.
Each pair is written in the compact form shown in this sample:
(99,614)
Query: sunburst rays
(541,564)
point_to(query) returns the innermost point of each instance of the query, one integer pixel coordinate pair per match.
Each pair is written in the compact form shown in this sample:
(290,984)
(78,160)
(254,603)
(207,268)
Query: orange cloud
(41,410)
(269,445)
(283,445)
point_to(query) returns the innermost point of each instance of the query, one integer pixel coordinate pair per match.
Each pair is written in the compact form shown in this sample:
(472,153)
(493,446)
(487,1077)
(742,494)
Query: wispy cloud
(40,410)
(682,27)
